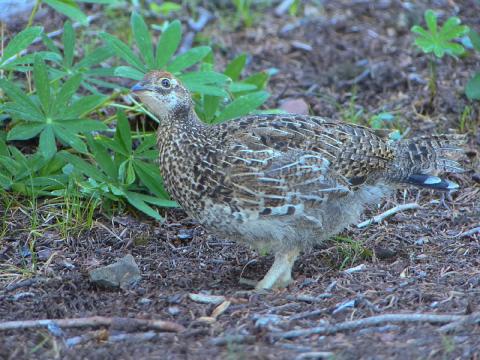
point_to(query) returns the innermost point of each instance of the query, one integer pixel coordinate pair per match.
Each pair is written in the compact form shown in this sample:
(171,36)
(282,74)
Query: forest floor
(340,58)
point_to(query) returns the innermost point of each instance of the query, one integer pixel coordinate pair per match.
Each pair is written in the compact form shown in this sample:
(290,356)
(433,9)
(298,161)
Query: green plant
(52,113)
(29,175)
(244,11)
(10,59)
(350,251)
(88,66)
(119,177)
(440,41)
(472,89)
(69,8)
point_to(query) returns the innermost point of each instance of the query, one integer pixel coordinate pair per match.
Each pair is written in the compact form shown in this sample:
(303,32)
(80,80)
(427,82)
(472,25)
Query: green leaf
(47,144)
(42,83)
(122,134)
(68,8)
(259,79)
(235,67)
(68,38)
(5,182)
(237,87)
(243,105)
(150,176)
(21,41)
(126,173)
(431,20)
(158,202)
(25,131)
(103,158)
(475,39)
(123,51)
(65,93)
(210,106)
(165,8)
(95,57)
(70,138)
(204,77)
(83,125)
(17,111)
(129,73)
(473,87)
(168,44)
(137,200)
(19,97)
(143,39)
(85,105)
(207,90)
(82,166)
(188,58)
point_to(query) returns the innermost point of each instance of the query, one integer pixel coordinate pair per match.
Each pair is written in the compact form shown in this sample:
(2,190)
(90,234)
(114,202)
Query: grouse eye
(166,83)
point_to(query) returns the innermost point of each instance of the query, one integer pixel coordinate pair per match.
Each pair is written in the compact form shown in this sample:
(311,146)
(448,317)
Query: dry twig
(374,321)
(384,215)
(94,321)
(468,232)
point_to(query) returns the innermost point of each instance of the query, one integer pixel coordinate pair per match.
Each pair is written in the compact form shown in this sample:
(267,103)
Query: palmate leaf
(68,38)
(20,98)
(123,51)
(235,67)
(47,144)
(473,87)
(168,44)
(25,131)
(440,41)
(138,201)
(68,8)
(123,135)
(129,73)
(143,39)
(42,84)
(189,58)
(20,42)
(243,105)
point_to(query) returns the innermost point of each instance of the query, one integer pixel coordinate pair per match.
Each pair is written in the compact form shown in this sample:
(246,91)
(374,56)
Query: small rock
(44,254)
(295,106)
(265,320)
(145,301)
(173,310)
(421,241)
(123,273)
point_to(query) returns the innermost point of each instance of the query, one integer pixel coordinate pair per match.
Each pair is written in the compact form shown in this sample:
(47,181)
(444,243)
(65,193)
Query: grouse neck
(185,121)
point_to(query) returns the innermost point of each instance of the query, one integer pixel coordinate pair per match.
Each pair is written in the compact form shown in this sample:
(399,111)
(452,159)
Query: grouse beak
(137,87)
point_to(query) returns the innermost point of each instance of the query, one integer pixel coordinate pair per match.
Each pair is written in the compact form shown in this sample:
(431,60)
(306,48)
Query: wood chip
(207,299)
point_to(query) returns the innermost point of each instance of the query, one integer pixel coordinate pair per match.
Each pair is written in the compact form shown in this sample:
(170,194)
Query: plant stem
(432,84)
(33,13)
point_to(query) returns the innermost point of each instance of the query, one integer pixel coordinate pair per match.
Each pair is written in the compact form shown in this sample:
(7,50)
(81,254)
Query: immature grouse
(282,183)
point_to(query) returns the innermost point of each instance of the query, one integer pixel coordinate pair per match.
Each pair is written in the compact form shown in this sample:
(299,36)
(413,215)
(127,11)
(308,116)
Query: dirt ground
(416,261)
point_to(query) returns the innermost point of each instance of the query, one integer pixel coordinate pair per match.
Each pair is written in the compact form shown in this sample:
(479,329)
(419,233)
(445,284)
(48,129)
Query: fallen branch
(103,336)
(117,323)
(374,321)
(468,232)
(392,211)
(232,339)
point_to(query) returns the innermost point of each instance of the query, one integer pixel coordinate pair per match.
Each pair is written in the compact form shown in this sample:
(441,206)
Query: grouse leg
(280,274)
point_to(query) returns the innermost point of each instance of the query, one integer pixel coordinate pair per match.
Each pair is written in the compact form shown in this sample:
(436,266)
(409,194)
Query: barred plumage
(282,182)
